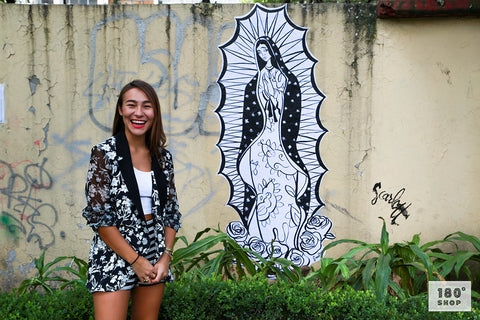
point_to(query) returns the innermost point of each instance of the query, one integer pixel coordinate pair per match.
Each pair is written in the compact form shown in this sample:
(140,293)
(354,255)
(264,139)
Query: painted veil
(270,138)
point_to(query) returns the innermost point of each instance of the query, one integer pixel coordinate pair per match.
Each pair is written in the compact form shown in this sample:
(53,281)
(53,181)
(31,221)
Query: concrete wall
(402,110)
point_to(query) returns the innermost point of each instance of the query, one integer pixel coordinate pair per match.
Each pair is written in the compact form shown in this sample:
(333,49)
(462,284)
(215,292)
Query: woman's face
(263,53)
(137,113)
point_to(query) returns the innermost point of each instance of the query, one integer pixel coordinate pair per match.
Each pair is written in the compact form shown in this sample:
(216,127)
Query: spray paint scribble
(26,213)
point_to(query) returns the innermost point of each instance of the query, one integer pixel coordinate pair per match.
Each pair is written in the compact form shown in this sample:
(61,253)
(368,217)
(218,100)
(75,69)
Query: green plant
(457,260)
(204,258)
(400,269)
(381,267)
(254,297)
(257,298)
(74,303)
(46,274)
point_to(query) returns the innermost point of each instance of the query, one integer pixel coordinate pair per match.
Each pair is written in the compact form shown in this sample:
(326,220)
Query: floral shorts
(133,280)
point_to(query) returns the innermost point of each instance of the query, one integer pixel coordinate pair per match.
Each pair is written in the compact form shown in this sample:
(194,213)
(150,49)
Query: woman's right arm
(114,239)
(99,211)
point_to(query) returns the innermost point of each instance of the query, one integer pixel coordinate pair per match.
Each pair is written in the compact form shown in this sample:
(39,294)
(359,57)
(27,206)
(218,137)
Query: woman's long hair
(155,137)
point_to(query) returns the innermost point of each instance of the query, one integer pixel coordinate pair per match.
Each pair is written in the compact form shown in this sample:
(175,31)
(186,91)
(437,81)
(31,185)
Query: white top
(145,188)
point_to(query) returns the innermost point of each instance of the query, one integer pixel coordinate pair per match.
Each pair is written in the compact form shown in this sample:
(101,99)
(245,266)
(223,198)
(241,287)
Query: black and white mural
(270,138)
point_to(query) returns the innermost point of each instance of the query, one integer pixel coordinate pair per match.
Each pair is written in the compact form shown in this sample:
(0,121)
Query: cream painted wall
(402,109)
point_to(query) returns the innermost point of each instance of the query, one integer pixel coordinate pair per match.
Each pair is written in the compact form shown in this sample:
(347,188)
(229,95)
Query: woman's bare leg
(146,301)
(111,305)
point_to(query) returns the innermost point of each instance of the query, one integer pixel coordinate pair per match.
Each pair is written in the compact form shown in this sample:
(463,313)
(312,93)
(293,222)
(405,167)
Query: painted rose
(237,231)
(318,222)
(310,242)
(257,245)
(279,250)
(298,258)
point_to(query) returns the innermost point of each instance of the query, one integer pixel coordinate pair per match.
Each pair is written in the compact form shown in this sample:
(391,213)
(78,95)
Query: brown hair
(155,137)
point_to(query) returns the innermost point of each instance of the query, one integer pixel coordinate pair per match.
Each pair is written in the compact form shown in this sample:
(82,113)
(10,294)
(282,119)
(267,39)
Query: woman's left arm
(171,220)
(163,264)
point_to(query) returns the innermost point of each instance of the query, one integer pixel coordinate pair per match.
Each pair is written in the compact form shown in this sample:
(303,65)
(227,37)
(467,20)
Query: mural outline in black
(269,142)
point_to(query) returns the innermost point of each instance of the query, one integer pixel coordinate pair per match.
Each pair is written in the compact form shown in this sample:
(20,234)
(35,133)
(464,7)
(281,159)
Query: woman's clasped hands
(149,273)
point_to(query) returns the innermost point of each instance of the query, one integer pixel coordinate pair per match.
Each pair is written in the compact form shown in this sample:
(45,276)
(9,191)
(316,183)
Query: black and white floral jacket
(113,200)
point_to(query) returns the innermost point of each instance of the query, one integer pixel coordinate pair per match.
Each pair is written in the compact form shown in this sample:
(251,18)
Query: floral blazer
(113,200)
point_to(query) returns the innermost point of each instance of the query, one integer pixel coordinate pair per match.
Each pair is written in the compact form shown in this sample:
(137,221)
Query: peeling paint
(8,50)
(45,138)
(33,82)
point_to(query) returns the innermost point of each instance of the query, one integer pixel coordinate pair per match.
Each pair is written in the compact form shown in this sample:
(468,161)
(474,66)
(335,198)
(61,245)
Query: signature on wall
(394,200)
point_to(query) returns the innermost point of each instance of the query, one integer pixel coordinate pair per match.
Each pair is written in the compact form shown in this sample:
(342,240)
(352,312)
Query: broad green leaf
(197,247)
(465,237)
(424,258)
(39,262)
(183,238)
(384,239)
(475,295)
(344,271)
(337,242)
(428,245)
(214,266)
(460,258)
(367,273)
(396,288)
(352,252)
(416,239)
(382,276)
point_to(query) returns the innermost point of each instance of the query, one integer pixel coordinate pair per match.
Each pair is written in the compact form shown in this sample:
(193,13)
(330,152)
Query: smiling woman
(137,112)
(132,207)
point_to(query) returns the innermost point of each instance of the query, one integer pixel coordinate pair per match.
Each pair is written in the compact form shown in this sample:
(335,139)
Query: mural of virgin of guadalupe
(277,191)
(270,136)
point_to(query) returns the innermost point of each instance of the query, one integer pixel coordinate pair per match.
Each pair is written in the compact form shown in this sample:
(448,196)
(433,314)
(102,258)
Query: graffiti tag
(27,214)
(399,208)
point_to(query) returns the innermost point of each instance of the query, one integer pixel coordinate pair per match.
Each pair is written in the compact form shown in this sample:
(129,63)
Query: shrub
(256,298)
(357,285)
(73,303)
(247,299)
